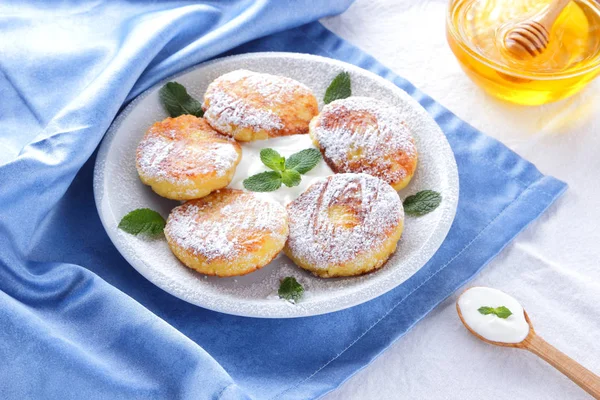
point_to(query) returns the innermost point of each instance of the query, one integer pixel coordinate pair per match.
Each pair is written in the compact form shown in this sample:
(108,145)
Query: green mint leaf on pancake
(304,160)
(268,181)
(290,289)
(291,177)
(272,159)
(422,203)
(500,312)
(176,101)
(143,221)
(340,88)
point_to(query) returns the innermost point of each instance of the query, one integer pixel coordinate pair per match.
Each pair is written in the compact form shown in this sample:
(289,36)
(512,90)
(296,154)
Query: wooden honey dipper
(530,38)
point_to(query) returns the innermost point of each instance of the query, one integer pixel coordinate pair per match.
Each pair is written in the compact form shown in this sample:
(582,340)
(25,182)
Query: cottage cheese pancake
(346,224)
(184,158)
(361,134)
(227,233)
(250,106)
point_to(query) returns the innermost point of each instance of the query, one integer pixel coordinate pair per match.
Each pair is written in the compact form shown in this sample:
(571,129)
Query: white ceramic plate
(118,190)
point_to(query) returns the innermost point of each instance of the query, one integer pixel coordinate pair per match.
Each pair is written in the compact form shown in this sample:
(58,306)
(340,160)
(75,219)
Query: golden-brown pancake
(250,106)
(229,232)
(344,225)
(361,134)
(184,158)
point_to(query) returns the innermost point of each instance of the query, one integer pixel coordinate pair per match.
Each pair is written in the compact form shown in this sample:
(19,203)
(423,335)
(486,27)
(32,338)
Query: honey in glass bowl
(476,29)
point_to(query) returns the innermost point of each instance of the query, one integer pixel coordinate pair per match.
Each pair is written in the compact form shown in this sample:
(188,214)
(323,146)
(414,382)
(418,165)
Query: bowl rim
(546,76)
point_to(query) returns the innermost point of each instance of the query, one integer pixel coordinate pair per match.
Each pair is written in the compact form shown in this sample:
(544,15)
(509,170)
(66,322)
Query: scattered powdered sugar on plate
(362,134)
(118,190)
(320,240)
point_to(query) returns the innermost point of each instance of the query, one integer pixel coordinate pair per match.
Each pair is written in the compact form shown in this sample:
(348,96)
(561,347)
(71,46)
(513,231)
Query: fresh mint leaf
(486,310)
(500,312)
(176,101)
(422,203)
(290,289)
(143,221)
(272,159)
(340,88)
(268,181)
(291,177)
(503,312)
(304,160)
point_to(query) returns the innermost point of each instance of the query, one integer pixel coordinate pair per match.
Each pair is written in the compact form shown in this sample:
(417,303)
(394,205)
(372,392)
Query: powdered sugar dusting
(226,111)
(225,224)
(362,134)
(247,99)
(178,155)
(236,75)
(317,239)
(153,152)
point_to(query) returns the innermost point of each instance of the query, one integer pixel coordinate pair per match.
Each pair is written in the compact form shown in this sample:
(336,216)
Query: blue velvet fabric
(78,322)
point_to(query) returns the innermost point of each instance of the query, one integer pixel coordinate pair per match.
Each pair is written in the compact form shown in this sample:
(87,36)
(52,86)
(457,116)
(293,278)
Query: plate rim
(279,310)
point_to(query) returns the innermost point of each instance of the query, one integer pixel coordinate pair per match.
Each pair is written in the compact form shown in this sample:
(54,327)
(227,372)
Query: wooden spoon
(530,38)
(576,372)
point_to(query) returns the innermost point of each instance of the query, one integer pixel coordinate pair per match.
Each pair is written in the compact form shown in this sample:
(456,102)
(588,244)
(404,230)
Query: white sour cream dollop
(286,146)
(510,330)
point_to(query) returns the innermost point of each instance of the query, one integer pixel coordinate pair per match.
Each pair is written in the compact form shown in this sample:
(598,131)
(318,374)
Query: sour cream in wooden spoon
(491,327)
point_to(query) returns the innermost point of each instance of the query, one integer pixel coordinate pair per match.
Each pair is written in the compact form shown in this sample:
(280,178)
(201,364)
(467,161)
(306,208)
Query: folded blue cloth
(78,322)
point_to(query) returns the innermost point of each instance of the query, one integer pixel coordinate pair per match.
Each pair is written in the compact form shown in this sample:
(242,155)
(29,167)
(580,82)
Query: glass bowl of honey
(476,29)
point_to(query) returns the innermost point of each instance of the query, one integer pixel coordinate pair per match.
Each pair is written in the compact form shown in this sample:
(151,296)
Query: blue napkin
(78,322)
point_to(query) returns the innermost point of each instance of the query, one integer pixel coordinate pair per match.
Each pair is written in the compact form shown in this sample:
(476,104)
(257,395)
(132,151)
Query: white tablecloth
(553,267)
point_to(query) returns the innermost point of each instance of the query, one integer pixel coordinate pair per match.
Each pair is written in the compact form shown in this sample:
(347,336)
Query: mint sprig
(283,171)
(143,221)
(176,101)
(422,203)
(500,312)
(290,289)
(340,88)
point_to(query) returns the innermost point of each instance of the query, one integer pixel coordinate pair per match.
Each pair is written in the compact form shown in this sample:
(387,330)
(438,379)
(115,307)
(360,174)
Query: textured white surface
(552,268)
(118,190)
